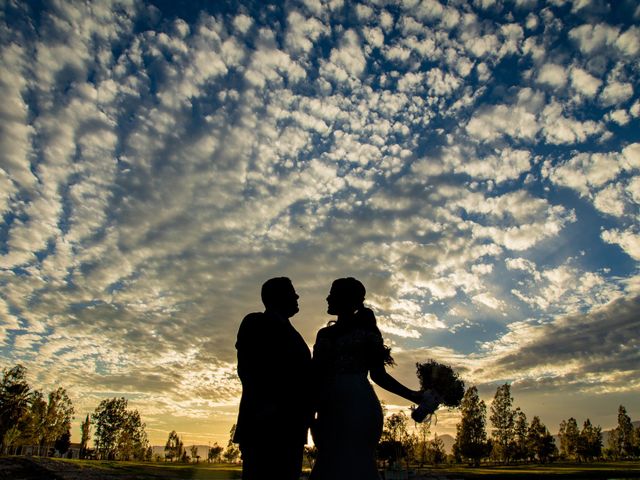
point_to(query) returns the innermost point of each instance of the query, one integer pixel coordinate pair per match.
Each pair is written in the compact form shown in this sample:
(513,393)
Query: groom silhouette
(274,366)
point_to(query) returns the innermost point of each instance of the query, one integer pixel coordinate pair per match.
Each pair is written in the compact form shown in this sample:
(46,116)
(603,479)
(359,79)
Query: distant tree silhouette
(519,448)
(232,452)
(589,442)
(85,436)
(14,399)
(502,419)
(32,423)
(436,453)
(58,416)
(421,446)
(540,441)
(569,435)
(174,448)
(621,439)
(215,453)
(119,433)
(194,453)
(395,441)
(63,442)
(471,436)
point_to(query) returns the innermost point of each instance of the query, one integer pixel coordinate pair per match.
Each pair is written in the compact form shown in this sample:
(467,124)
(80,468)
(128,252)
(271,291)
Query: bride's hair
(353,290)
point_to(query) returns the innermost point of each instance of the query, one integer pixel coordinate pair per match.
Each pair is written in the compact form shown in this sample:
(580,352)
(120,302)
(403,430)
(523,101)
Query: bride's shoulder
(327,331)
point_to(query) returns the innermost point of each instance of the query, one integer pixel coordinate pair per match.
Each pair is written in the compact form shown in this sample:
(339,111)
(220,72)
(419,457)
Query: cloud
(584,82)
(628,240)
(507,164)
(553,75)
(346,61)
(578,344)
(610,200)
(591,38)
(615,93)
(303,32)
(585,171)
(499,120)
(157,170)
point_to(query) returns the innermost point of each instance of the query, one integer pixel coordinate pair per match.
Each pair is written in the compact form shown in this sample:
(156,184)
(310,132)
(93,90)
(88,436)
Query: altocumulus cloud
(476,164)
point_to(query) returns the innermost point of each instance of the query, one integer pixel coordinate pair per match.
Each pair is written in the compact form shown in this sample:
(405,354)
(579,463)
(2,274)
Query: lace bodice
(348,350)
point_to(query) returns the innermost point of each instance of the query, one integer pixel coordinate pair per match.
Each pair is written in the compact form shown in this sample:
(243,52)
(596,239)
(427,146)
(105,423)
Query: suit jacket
(274,366)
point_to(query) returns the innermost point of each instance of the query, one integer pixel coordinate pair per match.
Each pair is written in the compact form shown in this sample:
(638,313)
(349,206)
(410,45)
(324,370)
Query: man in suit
(274,366)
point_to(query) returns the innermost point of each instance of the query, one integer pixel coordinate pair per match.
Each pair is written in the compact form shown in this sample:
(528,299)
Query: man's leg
(254,462)
(292,461)
(272,460)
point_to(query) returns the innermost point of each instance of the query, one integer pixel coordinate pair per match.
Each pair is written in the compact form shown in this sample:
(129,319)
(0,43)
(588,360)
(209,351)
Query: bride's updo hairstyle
(351,292)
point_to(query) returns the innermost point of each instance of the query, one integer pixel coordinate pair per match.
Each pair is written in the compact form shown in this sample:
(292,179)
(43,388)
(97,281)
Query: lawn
(600,470)
(63,469)
(23,468)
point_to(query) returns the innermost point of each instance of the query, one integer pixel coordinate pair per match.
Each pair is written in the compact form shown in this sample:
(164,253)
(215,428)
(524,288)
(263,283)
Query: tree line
(514,439)
(39,423)
(33,422)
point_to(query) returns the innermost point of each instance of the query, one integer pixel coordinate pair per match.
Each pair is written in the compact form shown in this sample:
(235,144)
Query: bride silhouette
(349,418)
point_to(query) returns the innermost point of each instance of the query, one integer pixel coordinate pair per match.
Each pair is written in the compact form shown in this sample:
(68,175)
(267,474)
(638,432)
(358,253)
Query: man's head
(279,295)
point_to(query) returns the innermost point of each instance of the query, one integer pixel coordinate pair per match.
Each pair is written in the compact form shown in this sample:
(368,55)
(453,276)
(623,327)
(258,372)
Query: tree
(569,435)
(421,442)
(471,437)
(85,436)
(132,441)
(540,441)
(589,442)
(232,452)
(194,453)
(623,435)
(174,447)
(14,399)
(436,453)
(119,433)
(215,453)
(395,442)
(32,424)
(502,418)
(58,416)
(63,442)
(11,438)
(519,448)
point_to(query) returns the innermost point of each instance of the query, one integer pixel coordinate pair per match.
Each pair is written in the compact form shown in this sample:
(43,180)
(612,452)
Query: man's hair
(273,289)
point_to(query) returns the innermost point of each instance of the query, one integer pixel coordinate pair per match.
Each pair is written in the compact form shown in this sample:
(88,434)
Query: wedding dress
(349,415)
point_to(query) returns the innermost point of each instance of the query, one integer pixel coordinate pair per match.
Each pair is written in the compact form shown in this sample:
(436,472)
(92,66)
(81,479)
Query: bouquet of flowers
(441,385)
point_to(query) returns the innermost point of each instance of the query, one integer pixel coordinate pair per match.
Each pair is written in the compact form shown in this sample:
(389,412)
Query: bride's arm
(380,376)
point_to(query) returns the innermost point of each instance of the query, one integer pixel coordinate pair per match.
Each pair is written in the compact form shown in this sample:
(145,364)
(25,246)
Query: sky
(476,164)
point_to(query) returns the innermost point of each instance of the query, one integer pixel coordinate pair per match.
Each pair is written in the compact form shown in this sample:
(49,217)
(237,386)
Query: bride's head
(346,296)
(346,300)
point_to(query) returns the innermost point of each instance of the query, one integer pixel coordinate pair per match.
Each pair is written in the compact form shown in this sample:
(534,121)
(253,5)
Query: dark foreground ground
(36,468)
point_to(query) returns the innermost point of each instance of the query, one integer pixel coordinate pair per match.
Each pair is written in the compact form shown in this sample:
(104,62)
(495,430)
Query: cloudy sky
(475,163)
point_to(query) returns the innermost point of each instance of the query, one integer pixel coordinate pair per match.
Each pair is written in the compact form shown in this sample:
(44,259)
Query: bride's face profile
(338,302)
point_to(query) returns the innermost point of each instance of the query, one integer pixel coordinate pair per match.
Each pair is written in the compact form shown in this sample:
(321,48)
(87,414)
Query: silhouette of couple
(285,392)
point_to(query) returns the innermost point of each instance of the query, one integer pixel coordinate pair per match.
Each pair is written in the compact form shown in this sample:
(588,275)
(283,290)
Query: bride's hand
(416,396)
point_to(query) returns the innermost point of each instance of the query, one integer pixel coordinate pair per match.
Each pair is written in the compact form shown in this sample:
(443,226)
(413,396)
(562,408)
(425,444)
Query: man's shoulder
(253,321)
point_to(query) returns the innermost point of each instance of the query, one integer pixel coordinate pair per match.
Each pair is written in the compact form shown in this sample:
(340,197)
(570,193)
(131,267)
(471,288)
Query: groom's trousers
(271,459)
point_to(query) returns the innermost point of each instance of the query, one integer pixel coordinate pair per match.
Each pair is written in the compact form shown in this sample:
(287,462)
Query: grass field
(600,470)
(22,468)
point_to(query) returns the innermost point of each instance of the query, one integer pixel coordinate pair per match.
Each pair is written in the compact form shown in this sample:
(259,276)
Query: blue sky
(476,164)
